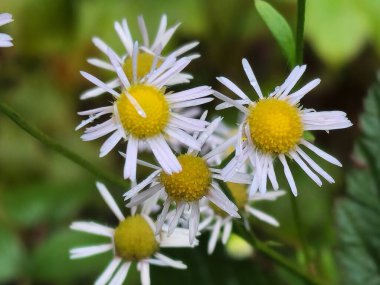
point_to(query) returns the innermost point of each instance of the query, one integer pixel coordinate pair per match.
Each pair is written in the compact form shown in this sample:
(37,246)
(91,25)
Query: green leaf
(358,216)
(10,255)
(337,29)
(279,28)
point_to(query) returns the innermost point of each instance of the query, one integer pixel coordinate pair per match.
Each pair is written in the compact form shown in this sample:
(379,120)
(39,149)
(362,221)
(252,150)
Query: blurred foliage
(41,192)
(358,214)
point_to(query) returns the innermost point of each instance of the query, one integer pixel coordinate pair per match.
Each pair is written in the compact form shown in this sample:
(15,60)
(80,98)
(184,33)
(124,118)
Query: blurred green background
(41,193)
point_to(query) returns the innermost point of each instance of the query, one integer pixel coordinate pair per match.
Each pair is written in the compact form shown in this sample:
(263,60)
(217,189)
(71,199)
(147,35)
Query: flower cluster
(204,174)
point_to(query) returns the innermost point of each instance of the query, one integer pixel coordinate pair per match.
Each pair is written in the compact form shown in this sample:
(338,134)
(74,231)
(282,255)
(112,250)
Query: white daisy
(217,221)
(273,128)
(133,240)
(143,112)
(148,54)
(5,39)
(198,179)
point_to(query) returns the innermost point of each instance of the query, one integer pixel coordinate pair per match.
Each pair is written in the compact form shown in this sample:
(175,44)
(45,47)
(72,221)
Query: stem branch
(54,145)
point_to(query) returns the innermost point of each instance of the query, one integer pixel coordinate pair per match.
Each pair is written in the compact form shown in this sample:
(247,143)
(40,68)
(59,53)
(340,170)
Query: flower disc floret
(192,183)
(275,125)
(134,239)
(155,106)
(144,65)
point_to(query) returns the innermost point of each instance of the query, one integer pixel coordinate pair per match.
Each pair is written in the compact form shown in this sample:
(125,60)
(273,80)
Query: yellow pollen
(275,125)
(144,64)
(192,183)
(239,194)
(155,106)
(134,239)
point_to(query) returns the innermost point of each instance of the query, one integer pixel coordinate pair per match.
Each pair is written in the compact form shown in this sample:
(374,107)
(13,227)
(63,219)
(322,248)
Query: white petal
(214,235)
(251,77)
(262,216)
(194,221)
(82,252)
(288,174)
(108,272)
(145,275)
(92,228)
(121,274)
(232,86)
(321,153)
(192,103)
(131,158)
(231,101)
(100,63)
(164,155)
(227,231)
(305,168)
(184,138)
(99,83)
(328,120)
(97,91)
(133,191)
(161,218)
(124,35)
(295,97)
(145,195)
(110,201)
(143,31)
(170,262)
(110,143)
(174,222)
(315,166)
(180,51)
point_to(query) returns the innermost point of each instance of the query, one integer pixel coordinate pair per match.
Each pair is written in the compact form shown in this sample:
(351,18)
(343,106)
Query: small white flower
(186,189)
(5,39)
(273,128)
(148,54)
(133,240)
(216,221)
(143,112)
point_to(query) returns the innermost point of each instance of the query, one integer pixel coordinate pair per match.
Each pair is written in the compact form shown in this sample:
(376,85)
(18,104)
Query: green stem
(264,249)
(300,230)
(54,145)
(300,31)
(273,255)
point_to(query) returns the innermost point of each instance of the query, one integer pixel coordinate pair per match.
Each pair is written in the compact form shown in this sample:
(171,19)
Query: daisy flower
(5,39)
(197,180)
(132,240)
(217,221)
(147,54)
(144,112)
(273,128)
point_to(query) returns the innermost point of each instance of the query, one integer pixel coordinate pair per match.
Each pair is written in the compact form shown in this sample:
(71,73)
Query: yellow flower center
(275,125)
(134,239)
(144,64)
(239,194)
(155,106)
(192,183)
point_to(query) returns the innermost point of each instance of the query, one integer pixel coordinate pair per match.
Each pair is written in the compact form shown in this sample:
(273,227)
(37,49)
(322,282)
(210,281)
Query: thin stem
(264,249)
(300,230)
(273,255)
(54,145)
(300,31)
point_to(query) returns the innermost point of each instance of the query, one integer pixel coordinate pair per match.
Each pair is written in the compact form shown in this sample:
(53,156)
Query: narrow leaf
(279,28)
